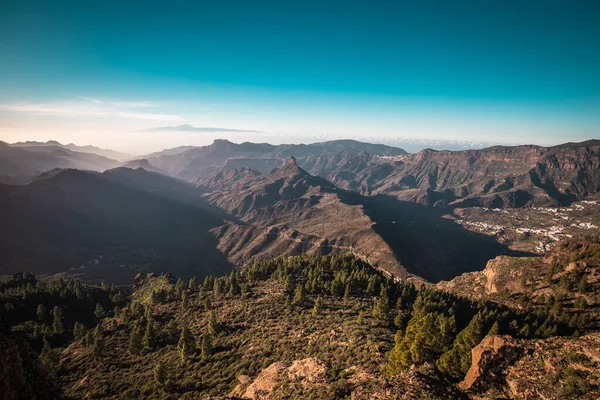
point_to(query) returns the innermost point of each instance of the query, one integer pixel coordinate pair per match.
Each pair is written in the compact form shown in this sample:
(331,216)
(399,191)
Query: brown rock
(489,361)
(308,371)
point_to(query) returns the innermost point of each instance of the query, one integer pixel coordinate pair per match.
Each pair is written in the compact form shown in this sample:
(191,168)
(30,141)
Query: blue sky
(379,70)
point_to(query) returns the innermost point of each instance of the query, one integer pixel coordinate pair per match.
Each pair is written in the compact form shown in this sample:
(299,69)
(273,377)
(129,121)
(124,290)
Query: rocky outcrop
(556,368)
(416,383)
(308,372)
(309,378)
(501,274)
(489,361)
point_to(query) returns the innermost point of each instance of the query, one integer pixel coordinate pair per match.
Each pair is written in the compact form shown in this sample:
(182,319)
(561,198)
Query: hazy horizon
(410,145)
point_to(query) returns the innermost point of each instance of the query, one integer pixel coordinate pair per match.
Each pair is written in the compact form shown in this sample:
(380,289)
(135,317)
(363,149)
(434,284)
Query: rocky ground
(553,369)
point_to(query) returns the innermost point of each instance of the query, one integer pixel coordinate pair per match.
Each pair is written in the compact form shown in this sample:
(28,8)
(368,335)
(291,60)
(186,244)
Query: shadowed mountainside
(114,155)
(107,225)
(22,163)
(426,240)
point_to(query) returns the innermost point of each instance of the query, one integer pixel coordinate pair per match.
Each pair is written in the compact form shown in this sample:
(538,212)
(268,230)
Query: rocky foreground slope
(502,367)
(311,327)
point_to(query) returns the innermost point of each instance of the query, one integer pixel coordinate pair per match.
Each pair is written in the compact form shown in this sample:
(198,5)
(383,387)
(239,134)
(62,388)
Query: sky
(473,71)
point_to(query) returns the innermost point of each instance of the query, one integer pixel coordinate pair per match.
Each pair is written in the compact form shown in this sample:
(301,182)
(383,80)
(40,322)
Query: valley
(252,271)
(375,201)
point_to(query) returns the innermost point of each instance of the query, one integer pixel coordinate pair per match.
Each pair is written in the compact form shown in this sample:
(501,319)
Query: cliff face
(569,273)
(495,177)
(22,375)
(554,368)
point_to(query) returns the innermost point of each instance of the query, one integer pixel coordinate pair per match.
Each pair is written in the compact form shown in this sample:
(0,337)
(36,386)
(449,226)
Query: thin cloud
(189,128)
(127,104)
(92,108)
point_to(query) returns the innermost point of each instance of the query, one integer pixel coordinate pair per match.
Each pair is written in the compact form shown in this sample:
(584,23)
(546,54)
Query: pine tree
(37,331)
(581,303)
(212,326)
(193,284)
(186,344)
(525,331)
(149,339)
(179,287)
(41,313)
(49,356)
(318,307)
(372,287)
(99,312)
(299,295)
(88,339)
(57,325)
(495,329)
(457,361)
(78,330)
(337,287)
(399,321)
(347,291)
(184,301)
(217,288)
(289,284)
(135,341)
(98,348)
(184,352)
(381,310)
(428,334)
(234,287)
(206,346)
(160,374)
(361,318)
(565,283)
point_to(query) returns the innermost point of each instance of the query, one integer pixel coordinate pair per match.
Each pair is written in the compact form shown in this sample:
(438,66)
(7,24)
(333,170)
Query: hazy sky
(381,70)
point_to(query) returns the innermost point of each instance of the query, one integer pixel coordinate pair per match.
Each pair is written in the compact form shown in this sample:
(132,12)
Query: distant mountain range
(201,161)
(237,203)
(23,161)
(36,146)
(498,176)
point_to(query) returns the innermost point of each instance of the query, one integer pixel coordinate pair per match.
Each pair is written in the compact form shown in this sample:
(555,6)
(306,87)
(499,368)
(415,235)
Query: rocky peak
(289,169)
